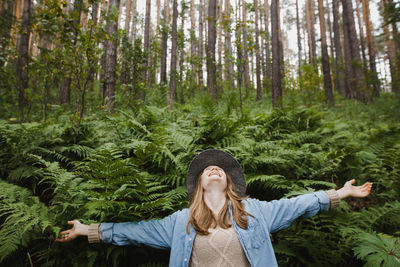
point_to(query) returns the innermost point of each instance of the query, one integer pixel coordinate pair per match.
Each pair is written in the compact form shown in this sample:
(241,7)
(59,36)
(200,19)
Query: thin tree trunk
(111,59)
(238,44)
(371,47)
(23,58)
(164,45)
(245,50)
(340,76)
(212,34)
(276,56)
(158,17)
(258,68)
(128,16)
(192,44)
(352,58)
(330,31)
(311,33)
(262,48)
(200,48)
(220,26)
(171,95)
(146,73)
(181,48)
(298,38)
(121,5)
(325,57)
(361,31)
(132,36)
(267,44)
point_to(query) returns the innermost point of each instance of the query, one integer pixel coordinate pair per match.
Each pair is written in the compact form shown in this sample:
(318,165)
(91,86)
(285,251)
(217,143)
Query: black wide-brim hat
(218,158)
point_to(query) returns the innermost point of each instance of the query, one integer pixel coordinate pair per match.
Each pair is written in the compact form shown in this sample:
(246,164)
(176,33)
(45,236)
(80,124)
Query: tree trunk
(181,48)
(110,59)
(132,36)
(330,30)
(128,16)
(267,43)
(171,95)
(325,57)
(311,33)
(121,5)
(352,55)
(192,44)
(200,48)
(146,73)
(164,45)
(258,68)
(212,34)
(158,17)
(276,56)
(361,31)
(298,38)
(371,47)
(220,26)
(245,50)
(340,75)
(23,58)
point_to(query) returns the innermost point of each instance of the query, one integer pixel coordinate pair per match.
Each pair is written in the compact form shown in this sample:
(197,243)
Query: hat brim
(221,159)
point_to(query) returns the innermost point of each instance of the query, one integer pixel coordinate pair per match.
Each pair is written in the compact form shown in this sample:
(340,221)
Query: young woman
(222,227)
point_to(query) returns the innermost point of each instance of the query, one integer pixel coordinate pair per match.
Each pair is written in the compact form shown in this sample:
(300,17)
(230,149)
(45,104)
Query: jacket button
(185,259)
(190,239)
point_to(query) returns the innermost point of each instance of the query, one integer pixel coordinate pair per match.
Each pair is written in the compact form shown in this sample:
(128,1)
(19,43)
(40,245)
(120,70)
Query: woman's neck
(215,200)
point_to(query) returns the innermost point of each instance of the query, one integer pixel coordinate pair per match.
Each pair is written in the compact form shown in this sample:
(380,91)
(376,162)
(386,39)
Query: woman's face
(213,177)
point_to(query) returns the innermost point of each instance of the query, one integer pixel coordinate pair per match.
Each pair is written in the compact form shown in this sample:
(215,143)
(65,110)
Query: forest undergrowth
(131,166)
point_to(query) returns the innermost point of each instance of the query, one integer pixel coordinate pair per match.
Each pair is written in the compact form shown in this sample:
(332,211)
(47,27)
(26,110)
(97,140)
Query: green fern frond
(378,249)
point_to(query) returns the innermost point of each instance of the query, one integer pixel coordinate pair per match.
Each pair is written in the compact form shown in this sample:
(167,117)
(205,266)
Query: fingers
(352,181)
(65,232)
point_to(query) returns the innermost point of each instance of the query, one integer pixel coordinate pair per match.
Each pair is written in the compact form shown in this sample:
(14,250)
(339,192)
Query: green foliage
(131,166)
(378,249)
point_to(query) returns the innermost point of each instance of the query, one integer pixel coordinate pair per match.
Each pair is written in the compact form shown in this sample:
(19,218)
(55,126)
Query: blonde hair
(202,218)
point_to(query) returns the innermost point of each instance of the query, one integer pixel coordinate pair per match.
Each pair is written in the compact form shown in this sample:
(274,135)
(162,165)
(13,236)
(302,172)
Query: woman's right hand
(78,229)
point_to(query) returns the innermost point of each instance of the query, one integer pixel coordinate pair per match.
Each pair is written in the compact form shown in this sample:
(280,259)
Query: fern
(378,249)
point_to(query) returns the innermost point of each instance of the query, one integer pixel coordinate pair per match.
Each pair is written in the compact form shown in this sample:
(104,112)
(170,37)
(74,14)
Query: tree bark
(371,47)
(325,57)
(298,39)
(361,31)
(212,34)
(132,36)
(276,56)
(267,43)
(258,68)
(158,18)
(171,95)
(245,62)
(128,16)
(330,31)
(311,33)
(110,59)
(192,43)
(355,78)
(220,26)
(164,45)
(23,58)
(146,73)
(200,48)
(340,76)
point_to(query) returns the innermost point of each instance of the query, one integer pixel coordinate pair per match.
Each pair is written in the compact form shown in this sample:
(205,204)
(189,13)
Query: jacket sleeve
(279,214)
(154,233)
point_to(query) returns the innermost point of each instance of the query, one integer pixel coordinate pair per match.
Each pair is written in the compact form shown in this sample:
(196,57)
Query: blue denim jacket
(170,232)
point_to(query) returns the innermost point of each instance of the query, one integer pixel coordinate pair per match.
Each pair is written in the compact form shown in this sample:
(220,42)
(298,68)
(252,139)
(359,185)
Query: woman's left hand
(349,190)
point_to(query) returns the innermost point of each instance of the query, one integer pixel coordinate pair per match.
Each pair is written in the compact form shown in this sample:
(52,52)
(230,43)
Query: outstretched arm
(279,214)
(154,233)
